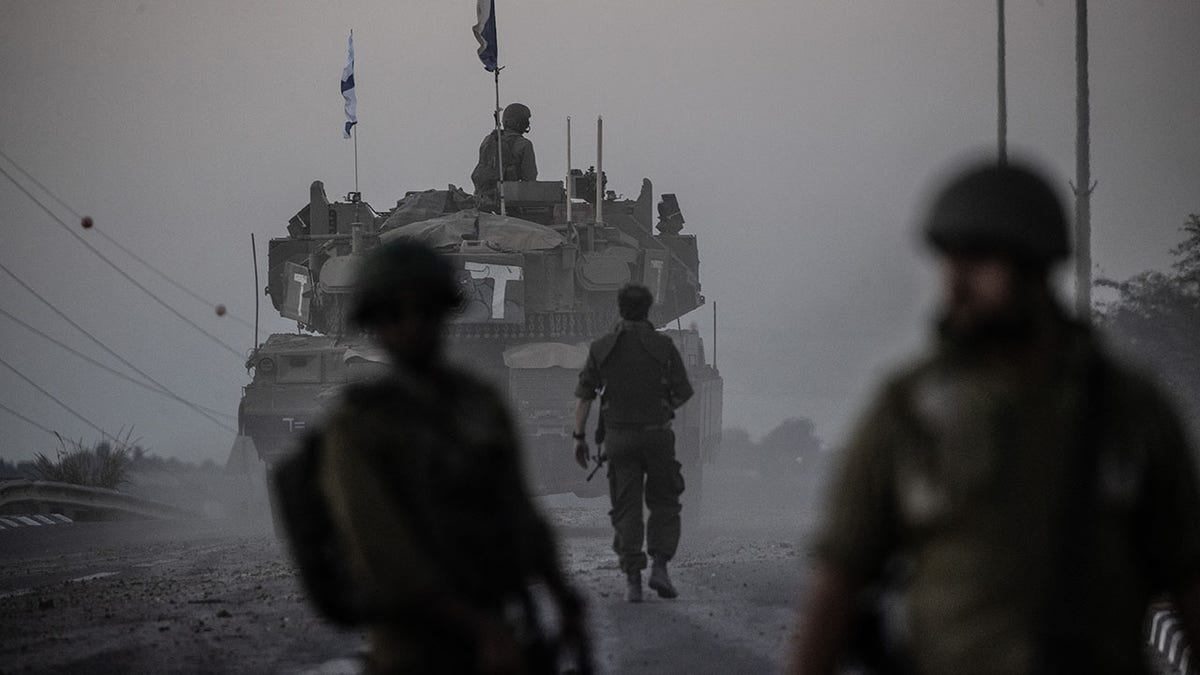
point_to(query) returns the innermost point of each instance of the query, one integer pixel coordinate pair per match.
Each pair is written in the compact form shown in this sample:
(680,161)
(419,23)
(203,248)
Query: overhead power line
(52,397)
(96,228)
(97,340)
(116,268)
(23,418)
(114,371)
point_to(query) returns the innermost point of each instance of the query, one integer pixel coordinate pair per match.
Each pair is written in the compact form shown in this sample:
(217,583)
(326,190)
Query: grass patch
(105,464)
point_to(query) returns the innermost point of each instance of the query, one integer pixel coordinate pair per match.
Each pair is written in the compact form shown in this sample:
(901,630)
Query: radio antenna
(254,254)
(714,356)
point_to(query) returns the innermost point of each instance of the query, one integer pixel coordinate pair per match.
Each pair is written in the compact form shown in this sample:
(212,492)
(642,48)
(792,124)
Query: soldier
(1035,492)
(519,162)
(643,381)
(421,475)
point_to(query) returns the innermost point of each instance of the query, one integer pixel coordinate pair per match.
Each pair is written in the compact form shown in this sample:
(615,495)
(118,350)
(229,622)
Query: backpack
(486,175)
(304,516)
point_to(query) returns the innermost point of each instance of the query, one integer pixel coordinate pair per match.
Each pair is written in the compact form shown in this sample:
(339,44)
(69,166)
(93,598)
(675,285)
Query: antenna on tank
(569,183)
(1001,88)
(714,334)
(599,169)
(254,254)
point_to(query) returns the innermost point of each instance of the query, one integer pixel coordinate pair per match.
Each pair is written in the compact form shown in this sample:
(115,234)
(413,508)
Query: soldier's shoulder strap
(395,391)
(658,345)
(602,348)
(513,141)
(374,392)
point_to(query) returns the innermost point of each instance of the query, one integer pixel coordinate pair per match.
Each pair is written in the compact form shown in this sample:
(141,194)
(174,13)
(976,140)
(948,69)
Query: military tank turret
(539,286)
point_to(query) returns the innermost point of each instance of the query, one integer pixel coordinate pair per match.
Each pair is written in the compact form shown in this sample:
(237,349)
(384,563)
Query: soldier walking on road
(1036,492)
(642,381)
(420,476)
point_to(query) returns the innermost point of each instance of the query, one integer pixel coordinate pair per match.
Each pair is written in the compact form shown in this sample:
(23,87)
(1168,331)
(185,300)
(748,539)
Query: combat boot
(633,587)
(660,581)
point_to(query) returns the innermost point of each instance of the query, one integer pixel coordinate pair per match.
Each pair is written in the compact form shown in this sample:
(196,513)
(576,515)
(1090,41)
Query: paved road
(221,596)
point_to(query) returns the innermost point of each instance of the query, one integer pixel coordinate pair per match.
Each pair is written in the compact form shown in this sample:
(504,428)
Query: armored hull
(539,286)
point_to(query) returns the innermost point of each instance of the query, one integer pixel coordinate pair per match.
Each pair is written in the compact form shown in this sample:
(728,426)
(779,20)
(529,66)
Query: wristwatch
(578,436)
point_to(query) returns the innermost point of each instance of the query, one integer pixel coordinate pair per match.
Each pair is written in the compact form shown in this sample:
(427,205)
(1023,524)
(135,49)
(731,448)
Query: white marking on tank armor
(657,266)
(500,276)
(301,279)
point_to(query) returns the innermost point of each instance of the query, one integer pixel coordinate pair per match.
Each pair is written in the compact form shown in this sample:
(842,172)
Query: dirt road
(221,596)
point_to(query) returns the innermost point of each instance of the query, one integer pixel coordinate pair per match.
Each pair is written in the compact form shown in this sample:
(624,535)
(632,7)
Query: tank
(540,285)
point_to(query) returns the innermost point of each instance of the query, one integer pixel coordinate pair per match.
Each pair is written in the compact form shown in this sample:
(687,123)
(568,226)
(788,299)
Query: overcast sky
(798,136)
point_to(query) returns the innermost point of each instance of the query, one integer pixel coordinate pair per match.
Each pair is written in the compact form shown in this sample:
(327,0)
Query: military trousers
(642,467)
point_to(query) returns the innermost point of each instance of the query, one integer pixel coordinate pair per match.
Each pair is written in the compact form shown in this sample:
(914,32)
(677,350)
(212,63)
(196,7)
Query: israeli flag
(348,90)
(485,33)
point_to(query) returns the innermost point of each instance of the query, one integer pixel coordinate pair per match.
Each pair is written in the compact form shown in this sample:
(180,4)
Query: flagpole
(357,194)
(499,139)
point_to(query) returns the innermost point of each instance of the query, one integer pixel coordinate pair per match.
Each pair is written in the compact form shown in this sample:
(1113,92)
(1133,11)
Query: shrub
(105,464)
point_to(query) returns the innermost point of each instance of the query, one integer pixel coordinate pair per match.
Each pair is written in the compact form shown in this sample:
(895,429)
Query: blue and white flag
(485,33)
(348,90)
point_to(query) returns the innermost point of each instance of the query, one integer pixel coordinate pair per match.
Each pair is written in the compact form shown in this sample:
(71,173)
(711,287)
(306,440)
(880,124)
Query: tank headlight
(266,366)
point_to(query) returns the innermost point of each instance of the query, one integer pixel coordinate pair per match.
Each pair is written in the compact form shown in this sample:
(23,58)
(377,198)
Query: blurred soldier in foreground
(516,151)
(643,381)
(421,479)
(1037,492)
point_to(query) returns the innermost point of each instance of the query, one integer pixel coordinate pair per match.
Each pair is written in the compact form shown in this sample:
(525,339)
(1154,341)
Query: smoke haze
(799,138)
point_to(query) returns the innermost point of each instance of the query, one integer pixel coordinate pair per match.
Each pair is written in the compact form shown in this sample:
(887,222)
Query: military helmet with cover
(1009,210)
(516,117)
(403,276)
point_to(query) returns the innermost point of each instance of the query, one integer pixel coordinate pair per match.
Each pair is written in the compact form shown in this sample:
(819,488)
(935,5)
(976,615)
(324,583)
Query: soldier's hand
(581,453)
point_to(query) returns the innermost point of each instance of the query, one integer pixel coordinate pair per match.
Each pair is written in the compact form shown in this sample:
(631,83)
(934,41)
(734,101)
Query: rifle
(600,459)
(601,433)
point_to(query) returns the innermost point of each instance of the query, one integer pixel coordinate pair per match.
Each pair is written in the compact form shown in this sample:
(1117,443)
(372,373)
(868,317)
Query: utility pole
(1083,185)
(1001,93)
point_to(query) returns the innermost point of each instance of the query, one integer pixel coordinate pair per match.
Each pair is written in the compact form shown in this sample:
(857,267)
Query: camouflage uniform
(643,379)
(519,163)
(423,480)
(961,466)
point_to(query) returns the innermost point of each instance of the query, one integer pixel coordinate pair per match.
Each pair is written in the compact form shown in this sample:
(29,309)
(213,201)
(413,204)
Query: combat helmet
(403,275)
(516,117)
(1006,209)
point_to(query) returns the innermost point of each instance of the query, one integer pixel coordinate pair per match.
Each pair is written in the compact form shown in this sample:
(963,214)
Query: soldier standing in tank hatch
(643,381)
(420,472)
(516,152)
(1038,492)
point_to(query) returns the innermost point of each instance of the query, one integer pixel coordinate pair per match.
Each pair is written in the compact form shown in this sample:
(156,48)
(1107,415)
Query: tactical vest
(485,176)
(633,365)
